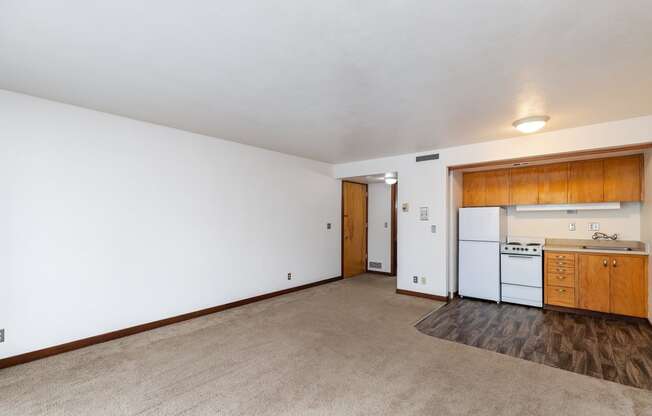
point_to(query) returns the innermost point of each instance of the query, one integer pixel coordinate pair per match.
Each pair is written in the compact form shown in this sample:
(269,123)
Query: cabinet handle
(560,290)
(604,263)
(614,263)
(561,277)
(560,264)
(560,257)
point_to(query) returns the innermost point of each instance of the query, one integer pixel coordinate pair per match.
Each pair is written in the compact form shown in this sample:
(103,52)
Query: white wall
(646,222)
(108,222)
(423,253)
(626,222)
(380,225)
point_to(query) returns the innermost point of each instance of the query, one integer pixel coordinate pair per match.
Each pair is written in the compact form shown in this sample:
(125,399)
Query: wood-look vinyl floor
(606,348)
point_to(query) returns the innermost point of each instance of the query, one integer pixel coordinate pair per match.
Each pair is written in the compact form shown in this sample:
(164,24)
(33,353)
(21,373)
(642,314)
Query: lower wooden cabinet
(597,282)
(593,282)
(560,279)
(628,295)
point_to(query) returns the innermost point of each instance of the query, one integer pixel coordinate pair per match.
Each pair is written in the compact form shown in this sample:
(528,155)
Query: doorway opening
(369,226)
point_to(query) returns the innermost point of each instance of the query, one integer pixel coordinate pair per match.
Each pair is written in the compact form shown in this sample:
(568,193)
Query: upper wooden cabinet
(497,188)
(485,189)
(474,189)
(523,186)
(586,181)
(553,184)
(622,178)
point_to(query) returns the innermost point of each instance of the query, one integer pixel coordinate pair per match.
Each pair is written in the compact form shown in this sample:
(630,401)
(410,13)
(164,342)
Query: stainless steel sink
(607,248)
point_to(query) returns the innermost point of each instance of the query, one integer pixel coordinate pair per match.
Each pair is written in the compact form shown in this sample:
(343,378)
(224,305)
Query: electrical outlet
(571,226)
(328,225)
(415,279)
(594,226)
(289,276)
(2,335)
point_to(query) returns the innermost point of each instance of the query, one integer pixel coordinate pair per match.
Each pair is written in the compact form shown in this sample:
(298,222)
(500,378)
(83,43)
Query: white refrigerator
(481,230)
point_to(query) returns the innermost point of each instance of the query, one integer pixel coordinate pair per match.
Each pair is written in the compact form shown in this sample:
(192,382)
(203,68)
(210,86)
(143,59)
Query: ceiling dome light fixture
(531,124)
(390,178)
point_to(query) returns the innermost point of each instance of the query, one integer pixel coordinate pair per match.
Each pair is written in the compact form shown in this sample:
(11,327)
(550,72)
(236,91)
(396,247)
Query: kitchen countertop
(561,244)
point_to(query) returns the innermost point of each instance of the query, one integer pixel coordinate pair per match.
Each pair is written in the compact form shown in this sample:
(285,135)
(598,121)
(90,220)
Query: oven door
(521,270)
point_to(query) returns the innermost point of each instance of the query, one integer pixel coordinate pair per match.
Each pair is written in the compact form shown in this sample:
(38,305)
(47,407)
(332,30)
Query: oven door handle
(520,257)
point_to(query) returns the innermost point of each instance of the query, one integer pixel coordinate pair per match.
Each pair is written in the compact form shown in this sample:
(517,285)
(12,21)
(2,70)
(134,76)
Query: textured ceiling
(336,80)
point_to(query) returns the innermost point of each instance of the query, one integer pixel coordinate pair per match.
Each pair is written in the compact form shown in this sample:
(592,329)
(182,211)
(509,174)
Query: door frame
(366,220)
(394,225)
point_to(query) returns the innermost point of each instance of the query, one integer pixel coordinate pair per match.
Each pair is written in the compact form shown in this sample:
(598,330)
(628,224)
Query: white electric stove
(521,271)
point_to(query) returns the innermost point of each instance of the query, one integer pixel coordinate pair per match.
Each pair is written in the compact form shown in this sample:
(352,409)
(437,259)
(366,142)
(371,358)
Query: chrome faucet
(602,236)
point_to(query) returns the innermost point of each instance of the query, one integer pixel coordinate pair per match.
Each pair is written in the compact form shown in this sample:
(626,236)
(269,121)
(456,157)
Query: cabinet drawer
(560,296)
(556,264)
(552,269)
(552,255)
(560,279)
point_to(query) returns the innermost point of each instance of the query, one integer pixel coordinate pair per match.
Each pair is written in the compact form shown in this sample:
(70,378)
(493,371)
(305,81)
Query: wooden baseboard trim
(380,273)
(595,314)
(109,336)
(422,295)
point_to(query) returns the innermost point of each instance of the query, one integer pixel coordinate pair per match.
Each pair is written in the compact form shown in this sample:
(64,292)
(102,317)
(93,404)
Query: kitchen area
(550,263)
(562,235)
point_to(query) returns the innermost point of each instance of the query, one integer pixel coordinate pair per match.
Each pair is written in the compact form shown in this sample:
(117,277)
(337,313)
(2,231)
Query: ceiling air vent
(423,158)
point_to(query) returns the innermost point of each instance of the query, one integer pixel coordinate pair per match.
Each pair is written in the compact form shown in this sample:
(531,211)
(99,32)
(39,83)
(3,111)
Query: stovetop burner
(524,246)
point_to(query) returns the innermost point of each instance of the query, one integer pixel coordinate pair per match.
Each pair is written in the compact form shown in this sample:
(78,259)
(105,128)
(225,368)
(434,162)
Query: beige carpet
(346,348)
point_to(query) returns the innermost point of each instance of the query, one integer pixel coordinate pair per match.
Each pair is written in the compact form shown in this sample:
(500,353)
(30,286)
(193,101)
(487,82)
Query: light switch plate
(571,226)
(594,226)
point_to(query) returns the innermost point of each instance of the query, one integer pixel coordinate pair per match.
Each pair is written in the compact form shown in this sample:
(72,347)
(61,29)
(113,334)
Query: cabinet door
(553,184)
(497,188)
(524,186)
(586,181)
(629,285)
(622,178)
(593,282)
(473,184)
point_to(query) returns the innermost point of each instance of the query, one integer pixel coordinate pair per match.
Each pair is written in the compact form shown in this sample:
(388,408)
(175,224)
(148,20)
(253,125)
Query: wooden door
(473,184)
(524,186)
(622,178)
(628,285)
(586,181)
(593,282)
(553,184)
(354,228)
(496,190)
